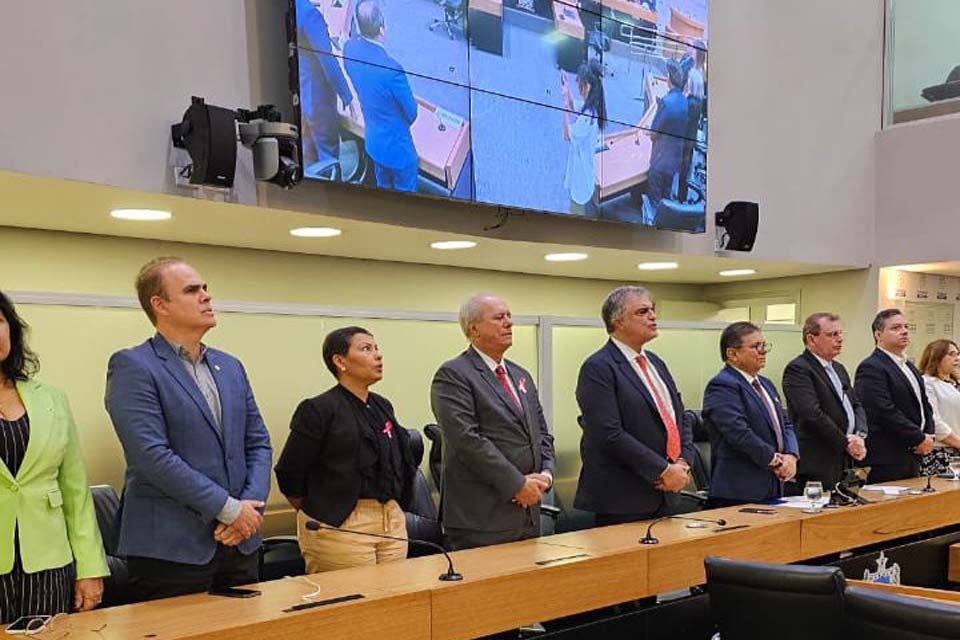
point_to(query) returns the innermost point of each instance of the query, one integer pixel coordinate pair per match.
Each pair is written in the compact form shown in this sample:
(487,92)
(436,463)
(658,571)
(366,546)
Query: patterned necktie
(502,377)
(844,399)
(777,429)
(673,434)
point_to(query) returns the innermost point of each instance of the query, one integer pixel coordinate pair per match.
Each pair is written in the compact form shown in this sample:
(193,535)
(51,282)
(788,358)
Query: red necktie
(673,434)
(502,377)
(777,430)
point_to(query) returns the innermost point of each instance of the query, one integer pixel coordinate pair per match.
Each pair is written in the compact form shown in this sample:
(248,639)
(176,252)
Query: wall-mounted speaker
(209,134)
(737,226)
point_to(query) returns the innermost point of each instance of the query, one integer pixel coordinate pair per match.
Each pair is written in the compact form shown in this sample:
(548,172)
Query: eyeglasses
(760,347)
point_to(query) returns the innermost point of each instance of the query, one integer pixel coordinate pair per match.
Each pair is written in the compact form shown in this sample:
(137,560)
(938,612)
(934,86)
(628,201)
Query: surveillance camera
(276,156)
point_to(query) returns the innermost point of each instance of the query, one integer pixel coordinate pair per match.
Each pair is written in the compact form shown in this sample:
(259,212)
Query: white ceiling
(57,204)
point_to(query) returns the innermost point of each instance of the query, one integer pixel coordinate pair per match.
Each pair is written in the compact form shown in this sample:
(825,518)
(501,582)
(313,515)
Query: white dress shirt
(901,362)
(661,389)
(493,364)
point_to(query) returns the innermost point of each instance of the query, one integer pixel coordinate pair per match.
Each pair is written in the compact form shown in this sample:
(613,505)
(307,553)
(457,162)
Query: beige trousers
(326,550)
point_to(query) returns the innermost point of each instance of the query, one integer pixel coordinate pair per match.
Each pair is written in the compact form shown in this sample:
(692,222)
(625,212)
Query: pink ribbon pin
(388,429)
(522,385)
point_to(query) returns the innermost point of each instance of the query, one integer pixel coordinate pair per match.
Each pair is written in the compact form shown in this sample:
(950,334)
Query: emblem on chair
(883,574)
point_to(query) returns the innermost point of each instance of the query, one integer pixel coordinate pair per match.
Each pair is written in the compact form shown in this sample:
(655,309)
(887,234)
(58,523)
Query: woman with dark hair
(51,555)
(939,367)
(584,136)
(347,462)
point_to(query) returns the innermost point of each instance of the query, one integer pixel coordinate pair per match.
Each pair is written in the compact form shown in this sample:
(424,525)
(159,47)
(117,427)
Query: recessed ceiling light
(315,232)
(446,245)
(729,273)
(141,214)
(658,266)
(564,257)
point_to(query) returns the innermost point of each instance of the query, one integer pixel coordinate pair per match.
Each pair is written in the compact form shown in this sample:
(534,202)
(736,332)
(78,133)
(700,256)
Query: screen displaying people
(462,99)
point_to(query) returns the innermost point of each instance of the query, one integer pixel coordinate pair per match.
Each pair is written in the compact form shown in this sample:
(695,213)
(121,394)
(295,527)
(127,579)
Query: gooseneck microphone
(649,539)
(449,576)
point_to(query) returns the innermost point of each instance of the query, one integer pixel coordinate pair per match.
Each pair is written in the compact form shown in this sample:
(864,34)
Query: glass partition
(923,61)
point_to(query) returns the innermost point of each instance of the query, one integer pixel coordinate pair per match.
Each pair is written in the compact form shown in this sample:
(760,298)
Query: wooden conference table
(509,585)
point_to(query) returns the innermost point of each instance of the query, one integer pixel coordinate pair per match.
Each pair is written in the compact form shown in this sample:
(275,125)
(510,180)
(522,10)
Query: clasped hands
(246,524)
(784,465)
(674,478)
(534,486)
(924,447)
(856,447)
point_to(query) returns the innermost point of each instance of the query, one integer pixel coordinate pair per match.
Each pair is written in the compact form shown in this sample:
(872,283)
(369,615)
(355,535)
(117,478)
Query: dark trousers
(669,506)
(151,578)
(460,539)
(890,472)
(403,179)
(659,186)
(694,107)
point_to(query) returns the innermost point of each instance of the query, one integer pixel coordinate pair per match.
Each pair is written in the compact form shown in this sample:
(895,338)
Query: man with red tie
(754,444)
(635,448)
(497,449)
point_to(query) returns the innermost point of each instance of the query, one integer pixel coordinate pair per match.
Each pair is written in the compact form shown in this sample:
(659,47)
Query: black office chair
(421,514)
(700,466)
(870,614)
(116,586)
(756,600)
(675,215)
(452,20)
(549,516)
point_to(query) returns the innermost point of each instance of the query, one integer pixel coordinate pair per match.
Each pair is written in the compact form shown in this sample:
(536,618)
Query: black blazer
(624,442)
(319,463)
(893,414)
(819,419)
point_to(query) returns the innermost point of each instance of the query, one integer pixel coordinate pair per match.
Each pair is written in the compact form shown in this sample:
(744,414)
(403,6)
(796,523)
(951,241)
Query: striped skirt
(46,592)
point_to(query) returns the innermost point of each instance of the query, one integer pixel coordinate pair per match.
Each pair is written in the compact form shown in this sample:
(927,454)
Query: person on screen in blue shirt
(667,130)
(321,83)
(388,106)
(583,135)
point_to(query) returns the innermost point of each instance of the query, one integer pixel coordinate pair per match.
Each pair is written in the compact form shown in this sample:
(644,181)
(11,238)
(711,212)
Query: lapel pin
(217,367)
(522,385)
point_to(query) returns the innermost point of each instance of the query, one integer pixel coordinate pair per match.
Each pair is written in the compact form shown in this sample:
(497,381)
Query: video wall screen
(593,108)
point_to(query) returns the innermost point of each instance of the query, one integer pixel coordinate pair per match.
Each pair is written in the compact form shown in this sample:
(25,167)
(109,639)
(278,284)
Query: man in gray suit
(497,449)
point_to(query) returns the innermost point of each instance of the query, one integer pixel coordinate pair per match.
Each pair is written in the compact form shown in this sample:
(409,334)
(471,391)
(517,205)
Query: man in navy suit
(900,420)
(754,445)
(321,82)
(635,447)
(387,103)
(197,451)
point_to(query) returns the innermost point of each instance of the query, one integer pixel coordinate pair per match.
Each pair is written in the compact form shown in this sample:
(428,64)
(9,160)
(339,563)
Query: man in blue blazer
(900,420)
(754,445)
(321,83)
(635,447)
(197,451)
(387,103)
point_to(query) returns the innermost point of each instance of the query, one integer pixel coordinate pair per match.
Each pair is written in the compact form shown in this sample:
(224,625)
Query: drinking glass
(813,491)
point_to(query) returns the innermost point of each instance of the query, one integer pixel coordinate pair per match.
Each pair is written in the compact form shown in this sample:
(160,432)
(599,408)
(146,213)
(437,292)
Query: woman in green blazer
(51,555)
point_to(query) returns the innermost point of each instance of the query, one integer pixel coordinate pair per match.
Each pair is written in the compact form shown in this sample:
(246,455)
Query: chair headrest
(432,431)
(416,446)
(775,577)
(692,419)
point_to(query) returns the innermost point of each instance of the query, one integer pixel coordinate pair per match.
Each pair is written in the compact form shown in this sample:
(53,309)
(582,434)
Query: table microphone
(649,539)
(449,576)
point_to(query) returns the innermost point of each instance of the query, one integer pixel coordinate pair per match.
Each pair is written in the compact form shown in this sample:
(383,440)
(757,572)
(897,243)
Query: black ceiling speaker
(737,226)
(209,134)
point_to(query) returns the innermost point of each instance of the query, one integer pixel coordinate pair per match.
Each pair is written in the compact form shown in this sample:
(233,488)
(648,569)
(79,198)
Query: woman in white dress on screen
(584,136)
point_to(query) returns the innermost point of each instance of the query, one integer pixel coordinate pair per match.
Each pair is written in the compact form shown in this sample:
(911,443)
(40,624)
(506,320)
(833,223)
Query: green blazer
(49,498)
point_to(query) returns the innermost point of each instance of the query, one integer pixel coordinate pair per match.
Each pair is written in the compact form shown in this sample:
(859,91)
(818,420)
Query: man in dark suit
(666,132)
(826,413)
(635,447)
(497,448)
(899,417)
(755,448)
(197,451)
(387,103)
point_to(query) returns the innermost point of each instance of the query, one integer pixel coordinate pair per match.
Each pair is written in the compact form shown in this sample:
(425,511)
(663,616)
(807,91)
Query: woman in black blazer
(347,462)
